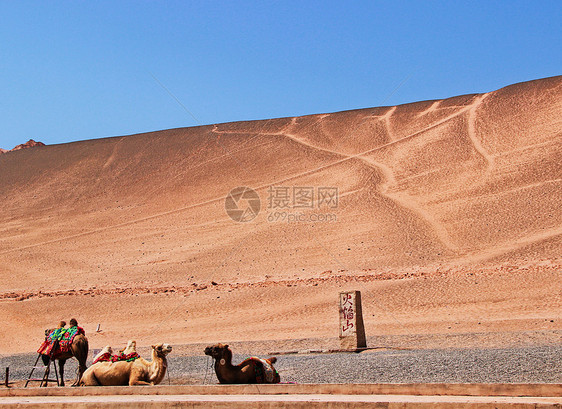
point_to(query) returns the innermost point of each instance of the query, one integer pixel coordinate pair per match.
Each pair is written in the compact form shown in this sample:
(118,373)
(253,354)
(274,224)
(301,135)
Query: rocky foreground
(524,364)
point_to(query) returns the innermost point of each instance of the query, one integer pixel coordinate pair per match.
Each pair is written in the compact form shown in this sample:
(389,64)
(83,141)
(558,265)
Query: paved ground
(541,364)
(247,399)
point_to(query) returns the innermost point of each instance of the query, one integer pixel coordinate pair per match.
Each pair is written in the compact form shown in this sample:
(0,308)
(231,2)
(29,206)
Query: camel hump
(273,359)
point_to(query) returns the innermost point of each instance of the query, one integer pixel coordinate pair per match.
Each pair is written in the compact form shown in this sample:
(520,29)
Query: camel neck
(158,368)
(226,360)
(224,367)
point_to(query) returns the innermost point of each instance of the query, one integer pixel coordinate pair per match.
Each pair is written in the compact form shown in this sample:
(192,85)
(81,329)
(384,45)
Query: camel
(251,370)
(78,349)
(137,372)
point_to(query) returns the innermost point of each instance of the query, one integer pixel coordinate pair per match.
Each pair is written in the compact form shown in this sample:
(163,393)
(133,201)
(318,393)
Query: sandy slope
(448,218)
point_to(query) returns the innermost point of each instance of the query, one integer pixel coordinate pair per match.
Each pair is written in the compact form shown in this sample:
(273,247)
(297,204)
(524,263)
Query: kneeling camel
(251,370)
(137,372)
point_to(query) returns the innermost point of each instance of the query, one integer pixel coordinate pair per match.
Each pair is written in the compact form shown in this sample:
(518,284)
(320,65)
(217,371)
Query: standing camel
(251,370)
(78,349)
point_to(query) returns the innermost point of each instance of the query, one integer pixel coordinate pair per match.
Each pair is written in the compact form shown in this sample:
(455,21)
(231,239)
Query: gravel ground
(538,364)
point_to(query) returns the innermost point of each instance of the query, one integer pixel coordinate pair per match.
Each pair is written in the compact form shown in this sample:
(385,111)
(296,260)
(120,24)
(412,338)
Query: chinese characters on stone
(348,314)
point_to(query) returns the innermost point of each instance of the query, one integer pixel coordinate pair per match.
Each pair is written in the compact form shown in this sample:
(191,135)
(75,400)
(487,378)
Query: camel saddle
(107,357)
(265,372)
(59,340)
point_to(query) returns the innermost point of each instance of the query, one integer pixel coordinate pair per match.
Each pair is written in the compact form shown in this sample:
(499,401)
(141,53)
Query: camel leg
(138,382)
(89,380)
(81,369)
(80,352)
(61,371)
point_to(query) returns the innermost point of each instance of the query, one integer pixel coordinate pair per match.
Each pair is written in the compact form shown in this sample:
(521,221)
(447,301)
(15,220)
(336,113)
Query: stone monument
(352,329)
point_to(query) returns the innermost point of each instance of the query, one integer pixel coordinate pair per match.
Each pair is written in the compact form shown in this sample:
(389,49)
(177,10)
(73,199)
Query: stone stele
(352,329)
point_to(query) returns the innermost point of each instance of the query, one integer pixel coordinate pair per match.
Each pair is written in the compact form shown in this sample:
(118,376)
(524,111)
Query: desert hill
(132,231)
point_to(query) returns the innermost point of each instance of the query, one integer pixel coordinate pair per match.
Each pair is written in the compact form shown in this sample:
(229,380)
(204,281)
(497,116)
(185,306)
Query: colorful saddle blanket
(59,341)
(265,372)
(107,357)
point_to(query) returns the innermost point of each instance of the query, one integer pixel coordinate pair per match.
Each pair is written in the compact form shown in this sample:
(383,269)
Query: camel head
(217,351)
(162,350)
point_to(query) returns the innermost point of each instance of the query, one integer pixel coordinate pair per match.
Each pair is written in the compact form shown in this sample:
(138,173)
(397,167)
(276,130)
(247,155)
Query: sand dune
(467,184)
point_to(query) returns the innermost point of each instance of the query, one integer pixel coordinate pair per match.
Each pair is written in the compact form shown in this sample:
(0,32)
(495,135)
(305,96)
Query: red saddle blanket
(59,341)
(107,357)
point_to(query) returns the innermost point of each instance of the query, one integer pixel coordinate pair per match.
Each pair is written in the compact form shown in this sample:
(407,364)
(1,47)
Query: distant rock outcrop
(29,144)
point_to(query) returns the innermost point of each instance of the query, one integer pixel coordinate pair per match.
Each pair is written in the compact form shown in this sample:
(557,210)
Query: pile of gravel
(535,364)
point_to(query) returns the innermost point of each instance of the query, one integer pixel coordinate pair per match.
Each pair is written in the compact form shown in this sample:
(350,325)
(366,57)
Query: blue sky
(74,70)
